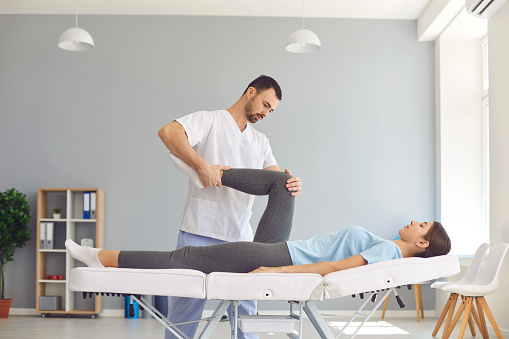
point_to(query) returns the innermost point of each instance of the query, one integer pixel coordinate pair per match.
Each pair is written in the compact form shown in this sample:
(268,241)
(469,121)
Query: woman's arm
(321,268)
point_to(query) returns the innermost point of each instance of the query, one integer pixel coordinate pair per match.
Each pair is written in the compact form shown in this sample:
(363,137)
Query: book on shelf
(86,205)
(49,235)
(46,236)
(93,204)
(42,236)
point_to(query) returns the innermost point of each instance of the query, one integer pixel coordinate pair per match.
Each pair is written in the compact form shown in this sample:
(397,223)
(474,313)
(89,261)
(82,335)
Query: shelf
(71,225)
(71,312)
(71,220)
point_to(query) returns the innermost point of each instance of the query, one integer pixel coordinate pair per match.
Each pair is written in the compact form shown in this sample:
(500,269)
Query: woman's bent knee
(281,179)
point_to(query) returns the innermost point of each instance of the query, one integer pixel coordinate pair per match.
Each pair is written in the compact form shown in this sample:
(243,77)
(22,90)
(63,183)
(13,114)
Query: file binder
(42,236)
(93,204)
(86,205)
(49,235)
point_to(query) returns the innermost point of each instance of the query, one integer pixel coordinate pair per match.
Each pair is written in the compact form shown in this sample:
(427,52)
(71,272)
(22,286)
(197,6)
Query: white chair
(486,283)
(469,277)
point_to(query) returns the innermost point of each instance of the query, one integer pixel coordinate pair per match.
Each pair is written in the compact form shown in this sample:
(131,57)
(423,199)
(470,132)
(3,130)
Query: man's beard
(248,108)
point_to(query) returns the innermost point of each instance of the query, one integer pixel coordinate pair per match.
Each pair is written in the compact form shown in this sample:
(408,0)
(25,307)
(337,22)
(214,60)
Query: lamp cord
(302,14)
(76,13)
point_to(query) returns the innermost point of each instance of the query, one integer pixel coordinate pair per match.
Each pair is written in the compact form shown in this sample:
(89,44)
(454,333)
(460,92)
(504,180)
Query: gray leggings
(268,249)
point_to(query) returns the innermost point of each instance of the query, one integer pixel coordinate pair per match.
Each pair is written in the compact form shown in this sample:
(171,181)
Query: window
(463,154)
(486,136)
(485,69)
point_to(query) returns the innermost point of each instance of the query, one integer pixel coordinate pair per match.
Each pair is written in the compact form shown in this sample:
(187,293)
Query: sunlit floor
(32,327)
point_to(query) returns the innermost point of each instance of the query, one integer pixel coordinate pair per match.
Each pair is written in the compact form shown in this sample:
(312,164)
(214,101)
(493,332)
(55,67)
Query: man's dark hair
(263,83)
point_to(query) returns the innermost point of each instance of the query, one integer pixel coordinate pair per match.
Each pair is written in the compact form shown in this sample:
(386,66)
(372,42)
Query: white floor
(35,327)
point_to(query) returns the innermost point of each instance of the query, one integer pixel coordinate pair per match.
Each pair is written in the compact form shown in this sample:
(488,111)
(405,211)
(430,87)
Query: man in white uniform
(209,142)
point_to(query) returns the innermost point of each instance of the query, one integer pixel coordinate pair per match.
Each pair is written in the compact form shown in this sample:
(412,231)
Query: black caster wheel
(67,315)
(44,315)
(93,316)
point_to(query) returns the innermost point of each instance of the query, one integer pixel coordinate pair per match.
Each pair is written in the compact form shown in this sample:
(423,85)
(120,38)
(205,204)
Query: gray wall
(356,121)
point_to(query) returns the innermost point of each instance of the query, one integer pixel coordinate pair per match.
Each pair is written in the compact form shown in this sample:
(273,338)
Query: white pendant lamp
(303,40)
(76,39)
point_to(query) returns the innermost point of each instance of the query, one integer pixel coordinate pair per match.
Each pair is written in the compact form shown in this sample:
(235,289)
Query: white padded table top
(391,273)
(174,282)
(262,286)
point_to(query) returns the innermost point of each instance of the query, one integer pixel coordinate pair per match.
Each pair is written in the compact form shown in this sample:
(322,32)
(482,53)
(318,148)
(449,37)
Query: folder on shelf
(49,235)
(42,236)
(93,204)
(86,205)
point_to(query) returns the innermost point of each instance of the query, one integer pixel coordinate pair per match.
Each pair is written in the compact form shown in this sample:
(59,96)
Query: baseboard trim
(492,331)
(23,311)
(112,313)
(119,313)
(31,311)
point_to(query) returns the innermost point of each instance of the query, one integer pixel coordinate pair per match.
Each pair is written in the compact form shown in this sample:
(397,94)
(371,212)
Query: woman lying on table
(271,251)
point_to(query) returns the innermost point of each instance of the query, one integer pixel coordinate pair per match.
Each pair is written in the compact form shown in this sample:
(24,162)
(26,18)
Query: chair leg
(478,321)
(417,301)
(483,328)
(450,327)
(466,316)
(470,322)
(442,316)
(385,307)
(491,318)
(420,300)
(450,313)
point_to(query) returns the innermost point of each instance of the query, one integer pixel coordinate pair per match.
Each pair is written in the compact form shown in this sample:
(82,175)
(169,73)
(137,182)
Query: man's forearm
(273,168)
(175,139)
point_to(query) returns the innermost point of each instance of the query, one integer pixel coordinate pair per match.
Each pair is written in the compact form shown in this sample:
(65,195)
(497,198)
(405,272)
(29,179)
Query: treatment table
(302,290)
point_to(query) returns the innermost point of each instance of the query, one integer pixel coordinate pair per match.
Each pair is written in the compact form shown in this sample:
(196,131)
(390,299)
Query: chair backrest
(475,266)
(489,273)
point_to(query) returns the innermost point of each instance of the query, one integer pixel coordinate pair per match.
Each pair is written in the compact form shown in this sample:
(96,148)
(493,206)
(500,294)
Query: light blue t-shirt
(341,245)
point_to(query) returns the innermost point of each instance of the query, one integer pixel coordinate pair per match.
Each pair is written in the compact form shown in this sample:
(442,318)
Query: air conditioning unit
(483,8)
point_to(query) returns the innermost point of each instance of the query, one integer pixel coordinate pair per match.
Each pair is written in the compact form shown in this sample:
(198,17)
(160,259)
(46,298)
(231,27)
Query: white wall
(498,29)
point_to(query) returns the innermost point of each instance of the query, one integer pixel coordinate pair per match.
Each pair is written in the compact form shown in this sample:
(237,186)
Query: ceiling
(434,16)
(369,9)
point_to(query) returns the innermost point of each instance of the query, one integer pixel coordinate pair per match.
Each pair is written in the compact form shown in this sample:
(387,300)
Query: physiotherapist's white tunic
(221,212)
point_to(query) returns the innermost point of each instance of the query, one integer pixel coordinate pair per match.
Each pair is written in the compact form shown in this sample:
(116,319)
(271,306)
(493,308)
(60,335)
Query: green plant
(14,218)
(56,210)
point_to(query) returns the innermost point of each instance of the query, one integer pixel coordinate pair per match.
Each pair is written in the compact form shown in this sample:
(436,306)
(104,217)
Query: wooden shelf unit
(57,260)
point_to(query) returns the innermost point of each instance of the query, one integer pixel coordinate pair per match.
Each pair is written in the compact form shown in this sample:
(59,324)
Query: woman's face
(415,231)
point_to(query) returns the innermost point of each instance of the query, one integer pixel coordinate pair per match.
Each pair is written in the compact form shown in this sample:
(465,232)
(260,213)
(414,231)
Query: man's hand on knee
(294,184)
(210,175)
